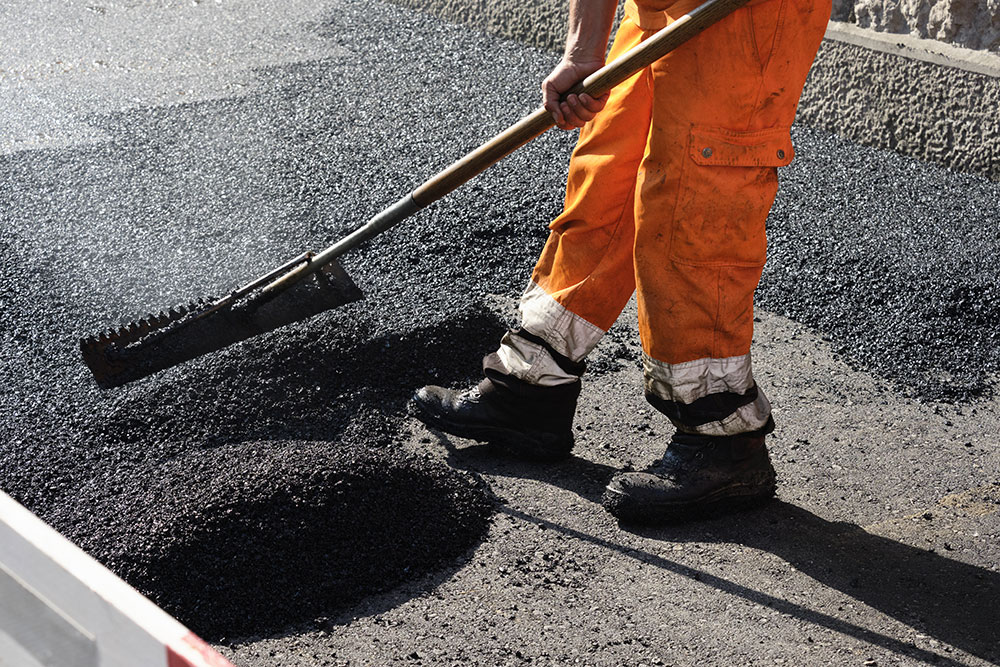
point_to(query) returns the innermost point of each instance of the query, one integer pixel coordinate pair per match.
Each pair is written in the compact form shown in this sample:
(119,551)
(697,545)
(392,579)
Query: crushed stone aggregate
(287,536)
(894,260)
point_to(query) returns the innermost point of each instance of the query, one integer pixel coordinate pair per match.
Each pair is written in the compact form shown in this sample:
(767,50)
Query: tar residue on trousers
(891,259)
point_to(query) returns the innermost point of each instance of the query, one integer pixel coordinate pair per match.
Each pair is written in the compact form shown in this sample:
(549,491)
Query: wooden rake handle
(529,127)
(595,85)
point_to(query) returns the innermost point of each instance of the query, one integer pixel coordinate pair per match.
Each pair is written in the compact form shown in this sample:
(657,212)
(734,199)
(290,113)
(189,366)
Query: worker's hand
(575,110)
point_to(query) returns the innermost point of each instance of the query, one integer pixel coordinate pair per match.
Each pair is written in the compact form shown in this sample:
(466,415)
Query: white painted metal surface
(61,608)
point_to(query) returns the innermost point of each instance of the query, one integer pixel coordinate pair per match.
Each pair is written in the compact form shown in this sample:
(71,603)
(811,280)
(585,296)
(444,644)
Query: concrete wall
(919,97)
(938,112)
(974,24)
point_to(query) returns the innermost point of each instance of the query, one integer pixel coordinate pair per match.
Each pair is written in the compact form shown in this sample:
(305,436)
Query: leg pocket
(727,189)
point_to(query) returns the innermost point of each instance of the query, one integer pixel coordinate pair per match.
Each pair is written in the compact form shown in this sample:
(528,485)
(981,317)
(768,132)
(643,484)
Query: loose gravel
(895,261)
(292,436)
(253,538)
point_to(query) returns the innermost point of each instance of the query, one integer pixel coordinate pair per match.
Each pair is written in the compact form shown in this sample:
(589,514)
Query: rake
(314,282)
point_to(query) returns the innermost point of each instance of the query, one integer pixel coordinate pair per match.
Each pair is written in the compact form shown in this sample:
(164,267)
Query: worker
(669,187)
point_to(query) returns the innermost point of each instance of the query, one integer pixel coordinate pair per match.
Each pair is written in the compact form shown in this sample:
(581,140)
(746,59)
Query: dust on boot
(698,476)
(522,419)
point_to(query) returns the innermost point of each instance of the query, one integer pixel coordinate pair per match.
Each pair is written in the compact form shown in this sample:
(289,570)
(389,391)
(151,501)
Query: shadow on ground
(946,599)
(950,601)
(283,497)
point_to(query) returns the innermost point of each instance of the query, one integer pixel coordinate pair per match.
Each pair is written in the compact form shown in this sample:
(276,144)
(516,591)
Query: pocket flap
(730,148)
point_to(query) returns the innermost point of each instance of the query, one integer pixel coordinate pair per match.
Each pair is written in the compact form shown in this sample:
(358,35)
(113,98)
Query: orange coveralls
(669,188)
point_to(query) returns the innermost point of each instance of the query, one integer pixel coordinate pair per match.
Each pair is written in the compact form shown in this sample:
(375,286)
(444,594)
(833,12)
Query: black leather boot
(519,418)
(698,476)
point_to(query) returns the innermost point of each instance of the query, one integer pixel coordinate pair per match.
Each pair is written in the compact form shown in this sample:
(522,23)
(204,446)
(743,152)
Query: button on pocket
(726,191)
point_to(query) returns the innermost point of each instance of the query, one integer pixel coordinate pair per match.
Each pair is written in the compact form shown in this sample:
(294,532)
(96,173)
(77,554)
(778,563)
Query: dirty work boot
(516,417)
(698,476)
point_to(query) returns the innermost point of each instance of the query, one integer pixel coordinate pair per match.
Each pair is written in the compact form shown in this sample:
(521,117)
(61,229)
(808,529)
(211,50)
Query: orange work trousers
(668,191)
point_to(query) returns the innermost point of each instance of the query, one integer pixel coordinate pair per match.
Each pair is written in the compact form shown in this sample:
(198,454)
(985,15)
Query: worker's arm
(586,42)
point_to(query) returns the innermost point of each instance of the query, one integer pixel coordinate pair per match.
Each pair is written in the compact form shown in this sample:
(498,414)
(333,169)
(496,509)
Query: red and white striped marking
(61,608)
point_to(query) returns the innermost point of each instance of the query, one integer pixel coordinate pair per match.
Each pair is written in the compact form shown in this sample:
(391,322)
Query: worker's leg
(723,106)
(583,279)
(585,275)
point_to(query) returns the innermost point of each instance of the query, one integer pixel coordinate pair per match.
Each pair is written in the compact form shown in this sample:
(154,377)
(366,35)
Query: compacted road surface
(278,498)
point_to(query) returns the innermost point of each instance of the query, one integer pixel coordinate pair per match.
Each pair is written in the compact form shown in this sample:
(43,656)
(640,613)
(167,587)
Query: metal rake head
(156,342)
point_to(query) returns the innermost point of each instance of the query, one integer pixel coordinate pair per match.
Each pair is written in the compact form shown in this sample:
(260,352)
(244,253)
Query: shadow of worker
(953,602)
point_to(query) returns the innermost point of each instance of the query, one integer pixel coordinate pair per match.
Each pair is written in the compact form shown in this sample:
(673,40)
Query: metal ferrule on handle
(396,213)
(391,216)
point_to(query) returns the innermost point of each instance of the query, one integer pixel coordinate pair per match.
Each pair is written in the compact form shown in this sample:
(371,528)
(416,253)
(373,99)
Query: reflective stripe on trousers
(668,191)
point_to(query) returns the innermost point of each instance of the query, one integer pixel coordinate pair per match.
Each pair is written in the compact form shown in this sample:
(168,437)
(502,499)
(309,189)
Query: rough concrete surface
(291,456)
(974,24)
(924,109)
(921,109)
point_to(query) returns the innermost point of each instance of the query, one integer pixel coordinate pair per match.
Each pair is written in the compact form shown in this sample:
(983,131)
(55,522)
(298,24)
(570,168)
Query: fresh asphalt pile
(293,531)
(262,487)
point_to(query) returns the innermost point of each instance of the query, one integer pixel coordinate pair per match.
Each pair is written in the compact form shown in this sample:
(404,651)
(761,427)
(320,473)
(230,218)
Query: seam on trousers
(630,200)
(763,71)
(614,234)
(682,182)
(718,311)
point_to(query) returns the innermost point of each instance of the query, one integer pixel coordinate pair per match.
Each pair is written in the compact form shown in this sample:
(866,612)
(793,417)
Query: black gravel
(892,259)
(167,479)
(897,262)
(251,538)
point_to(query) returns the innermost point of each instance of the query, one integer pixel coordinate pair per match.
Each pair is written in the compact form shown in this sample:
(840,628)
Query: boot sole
(509,441)
(727,500)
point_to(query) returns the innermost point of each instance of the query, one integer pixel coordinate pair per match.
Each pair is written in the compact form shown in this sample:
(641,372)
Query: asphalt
(892,259)
(292,453)
(275,542)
